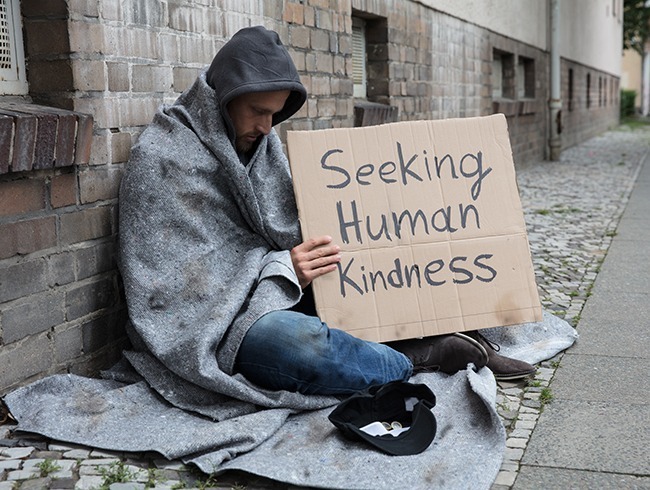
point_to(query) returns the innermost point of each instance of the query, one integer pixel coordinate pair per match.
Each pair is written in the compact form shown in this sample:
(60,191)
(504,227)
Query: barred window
(12,58)
(359,57)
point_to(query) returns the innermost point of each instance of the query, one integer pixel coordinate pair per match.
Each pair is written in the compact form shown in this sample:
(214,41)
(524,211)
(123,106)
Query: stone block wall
(61,302)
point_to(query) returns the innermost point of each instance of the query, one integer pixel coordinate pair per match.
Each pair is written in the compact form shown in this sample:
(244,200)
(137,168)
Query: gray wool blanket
(204,253)
(297,447)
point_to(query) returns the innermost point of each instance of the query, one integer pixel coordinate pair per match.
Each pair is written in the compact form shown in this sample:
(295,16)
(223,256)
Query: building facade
(85,77)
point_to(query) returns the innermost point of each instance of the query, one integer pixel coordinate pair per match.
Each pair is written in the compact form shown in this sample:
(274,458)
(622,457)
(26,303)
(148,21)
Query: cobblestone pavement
(572,208)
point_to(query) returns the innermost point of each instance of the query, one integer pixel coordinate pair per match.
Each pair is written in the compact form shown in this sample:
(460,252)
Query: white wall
(592,33)
(523,20)
(591,30)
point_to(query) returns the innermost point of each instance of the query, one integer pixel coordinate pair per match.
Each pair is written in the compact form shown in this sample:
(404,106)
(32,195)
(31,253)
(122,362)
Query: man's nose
(265,124)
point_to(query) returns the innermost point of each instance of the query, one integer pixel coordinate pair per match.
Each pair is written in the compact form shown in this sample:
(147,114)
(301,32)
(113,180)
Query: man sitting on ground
(213,262)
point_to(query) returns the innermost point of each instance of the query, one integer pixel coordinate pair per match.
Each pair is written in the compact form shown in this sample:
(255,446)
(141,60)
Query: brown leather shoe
(446,353)
(504,368)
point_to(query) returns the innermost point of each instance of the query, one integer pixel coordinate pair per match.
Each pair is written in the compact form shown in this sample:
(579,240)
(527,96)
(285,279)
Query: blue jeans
(287,350)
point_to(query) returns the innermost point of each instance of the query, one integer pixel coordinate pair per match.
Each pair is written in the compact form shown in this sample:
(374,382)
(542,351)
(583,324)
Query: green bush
(627,102)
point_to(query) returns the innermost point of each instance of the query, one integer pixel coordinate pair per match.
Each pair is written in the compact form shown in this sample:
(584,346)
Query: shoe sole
(475,343)
(512,377)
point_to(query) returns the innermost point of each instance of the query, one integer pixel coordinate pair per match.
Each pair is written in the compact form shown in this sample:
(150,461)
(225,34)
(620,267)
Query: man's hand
(313,258)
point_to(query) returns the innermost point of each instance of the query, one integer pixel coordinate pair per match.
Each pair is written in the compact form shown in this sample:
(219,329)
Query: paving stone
(10,464)
(63,475)
(36,484)
(89,483)
(77,454)
(525,409)
(15,452)
(513,454)
(168,485)
(46,454)
(505,478)
(524,424)
(507,466)
(98,453)
(521,433)
(127,486)
(63,483)
(61,463)
(99,461)
(516,442)
(528,416)
(20,475)
(57,446)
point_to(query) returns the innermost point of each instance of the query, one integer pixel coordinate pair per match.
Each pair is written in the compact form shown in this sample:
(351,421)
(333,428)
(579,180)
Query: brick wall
(582,120)
(61,306)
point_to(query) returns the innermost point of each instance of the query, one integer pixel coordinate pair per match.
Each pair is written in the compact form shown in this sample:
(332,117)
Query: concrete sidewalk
(596,431)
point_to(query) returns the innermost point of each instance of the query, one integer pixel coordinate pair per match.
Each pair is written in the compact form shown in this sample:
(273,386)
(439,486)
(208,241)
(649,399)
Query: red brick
(98,184)
(24,359)
(121,143)
(66,128)
(56,132)
(89,298)
(50,76)
(51,8)
(45,140)
(46,37)
(24,139)
(63,190)
(84,139)
(6,139)
(86,225)
(23,279)
(294,13)
(28,236)
(37,315)
(102,331)
(22,196)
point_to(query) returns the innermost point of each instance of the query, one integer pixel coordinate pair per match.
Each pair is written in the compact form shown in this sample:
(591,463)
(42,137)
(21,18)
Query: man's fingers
(320,271)
(321,262)
(315,257)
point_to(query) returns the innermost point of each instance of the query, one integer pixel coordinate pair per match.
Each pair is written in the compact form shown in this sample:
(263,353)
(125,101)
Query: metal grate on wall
(359,57)
(6,61)
(12,59)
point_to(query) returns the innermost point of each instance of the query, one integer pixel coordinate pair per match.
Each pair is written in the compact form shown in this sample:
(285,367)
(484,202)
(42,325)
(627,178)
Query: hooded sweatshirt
(204,238)
(254,60)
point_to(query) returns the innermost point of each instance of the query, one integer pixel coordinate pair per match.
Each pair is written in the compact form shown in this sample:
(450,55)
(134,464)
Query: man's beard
(243,145)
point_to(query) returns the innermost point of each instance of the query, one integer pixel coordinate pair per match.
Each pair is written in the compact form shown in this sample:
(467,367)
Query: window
(525,78)
(359,57)
(600,91)
(588,90)
(12,57)
(570,89)
(503,75)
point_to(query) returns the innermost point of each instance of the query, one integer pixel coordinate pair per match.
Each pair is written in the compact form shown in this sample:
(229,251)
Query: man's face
(252,116)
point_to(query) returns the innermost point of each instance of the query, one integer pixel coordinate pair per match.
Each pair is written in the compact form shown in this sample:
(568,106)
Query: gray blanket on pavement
(302,448)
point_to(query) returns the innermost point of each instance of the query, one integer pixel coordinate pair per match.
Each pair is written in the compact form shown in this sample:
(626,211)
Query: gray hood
(254,60)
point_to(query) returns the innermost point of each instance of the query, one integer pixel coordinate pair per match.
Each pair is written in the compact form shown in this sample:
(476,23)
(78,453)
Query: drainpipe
(645,85)
(555,101)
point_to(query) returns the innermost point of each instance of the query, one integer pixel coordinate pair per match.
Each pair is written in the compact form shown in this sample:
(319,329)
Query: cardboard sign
(429,221)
